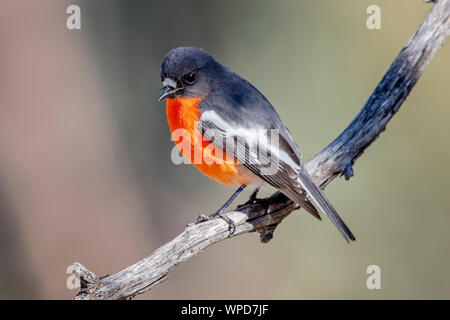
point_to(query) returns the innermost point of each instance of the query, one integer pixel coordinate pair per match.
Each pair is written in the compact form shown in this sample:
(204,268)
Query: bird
(230,124)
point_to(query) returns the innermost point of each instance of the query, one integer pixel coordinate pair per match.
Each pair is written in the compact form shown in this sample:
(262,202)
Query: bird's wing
(271,154)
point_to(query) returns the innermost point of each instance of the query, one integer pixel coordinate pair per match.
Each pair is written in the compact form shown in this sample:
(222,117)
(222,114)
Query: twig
(264,215)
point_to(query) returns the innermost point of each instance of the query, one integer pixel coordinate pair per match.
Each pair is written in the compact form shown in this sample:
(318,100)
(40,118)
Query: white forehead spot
(168,82)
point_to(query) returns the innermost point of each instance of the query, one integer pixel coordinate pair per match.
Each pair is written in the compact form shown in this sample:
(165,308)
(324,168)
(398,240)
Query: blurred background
(85,167)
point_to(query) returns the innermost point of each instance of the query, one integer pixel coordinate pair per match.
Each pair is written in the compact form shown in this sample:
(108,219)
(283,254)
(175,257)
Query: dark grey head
(188,72)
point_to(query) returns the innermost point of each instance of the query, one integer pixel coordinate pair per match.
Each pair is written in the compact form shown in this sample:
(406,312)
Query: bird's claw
(203,218)
(251,201)
(231,225)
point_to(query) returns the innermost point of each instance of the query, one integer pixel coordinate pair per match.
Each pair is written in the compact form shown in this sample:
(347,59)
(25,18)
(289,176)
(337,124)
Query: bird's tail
(322,202)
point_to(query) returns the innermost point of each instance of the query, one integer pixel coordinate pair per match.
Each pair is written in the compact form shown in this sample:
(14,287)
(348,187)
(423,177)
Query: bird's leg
(252,198)
(220,212)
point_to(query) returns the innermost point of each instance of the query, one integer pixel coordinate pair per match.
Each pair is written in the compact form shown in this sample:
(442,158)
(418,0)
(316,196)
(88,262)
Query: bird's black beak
(167,91)
(170,87)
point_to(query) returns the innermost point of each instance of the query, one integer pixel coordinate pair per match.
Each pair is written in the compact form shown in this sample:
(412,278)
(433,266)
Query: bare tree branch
(264,215)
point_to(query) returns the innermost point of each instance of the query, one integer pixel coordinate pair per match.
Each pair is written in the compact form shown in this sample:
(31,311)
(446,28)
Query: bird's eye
(190,78)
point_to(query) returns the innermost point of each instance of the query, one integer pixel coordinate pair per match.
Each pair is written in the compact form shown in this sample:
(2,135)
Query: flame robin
(205,98)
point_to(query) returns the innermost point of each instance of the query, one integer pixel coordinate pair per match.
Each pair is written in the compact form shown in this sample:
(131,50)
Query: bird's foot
(251,200)
(231,225)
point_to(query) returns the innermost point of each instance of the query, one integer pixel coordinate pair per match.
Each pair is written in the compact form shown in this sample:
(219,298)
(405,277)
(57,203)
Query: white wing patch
(256,138)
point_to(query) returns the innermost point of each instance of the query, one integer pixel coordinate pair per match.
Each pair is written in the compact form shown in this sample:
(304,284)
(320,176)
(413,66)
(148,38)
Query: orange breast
(182,115)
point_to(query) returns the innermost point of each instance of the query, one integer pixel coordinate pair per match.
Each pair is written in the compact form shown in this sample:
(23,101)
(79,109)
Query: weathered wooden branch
(264,215)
